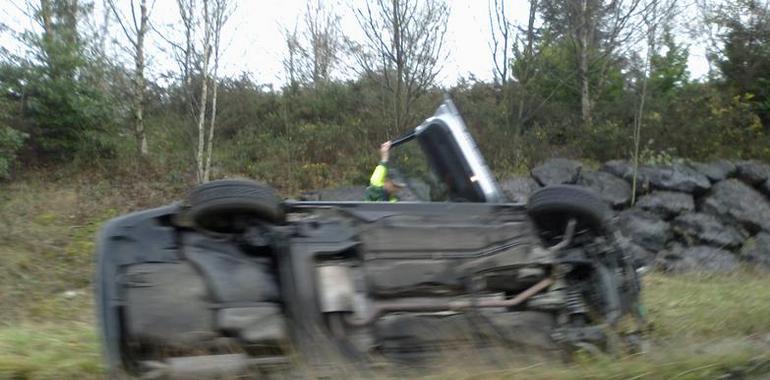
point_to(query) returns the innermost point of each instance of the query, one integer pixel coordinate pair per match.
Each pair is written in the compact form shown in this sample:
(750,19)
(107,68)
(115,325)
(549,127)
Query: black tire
(553,206)
(225,205)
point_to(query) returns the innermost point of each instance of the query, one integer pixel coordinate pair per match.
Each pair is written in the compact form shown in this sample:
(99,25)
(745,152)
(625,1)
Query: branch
(119,17)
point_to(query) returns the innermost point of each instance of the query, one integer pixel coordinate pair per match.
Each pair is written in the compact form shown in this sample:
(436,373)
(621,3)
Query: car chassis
(235,281)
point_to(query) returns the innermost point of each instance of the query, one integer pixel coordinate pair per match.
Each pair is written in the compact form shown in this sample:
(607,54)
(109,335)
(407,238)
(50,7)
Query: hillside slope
(703,326)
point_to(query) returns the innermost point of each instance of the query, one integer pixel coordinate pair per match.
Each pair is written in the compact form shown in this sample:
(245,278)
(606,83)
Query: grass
(703,326)
(50,350)
(708,306)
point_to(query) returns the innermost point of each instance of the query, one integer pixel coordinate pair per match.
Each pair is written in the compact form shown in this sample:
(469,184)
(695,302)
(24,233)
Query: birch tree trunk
(586,110)
(528,70)
(136,32)
(399,53)
(139,82)
(204,93)
(652,24)
(210,141)
(220,14)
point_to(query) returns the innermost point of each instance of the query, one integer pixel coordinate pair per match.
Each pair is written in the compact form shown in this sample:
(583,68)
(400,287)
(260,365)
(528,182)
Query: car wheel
(552,207)
(224,205)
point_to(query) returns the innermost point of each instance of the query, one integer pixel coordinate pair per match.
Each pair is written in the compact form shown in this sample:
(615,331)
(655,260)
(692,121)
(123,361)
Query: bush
(11,141)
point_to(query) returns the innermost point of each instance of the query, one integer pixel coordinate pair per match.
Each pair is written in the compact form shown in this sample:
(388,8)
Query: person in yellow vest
(382,187)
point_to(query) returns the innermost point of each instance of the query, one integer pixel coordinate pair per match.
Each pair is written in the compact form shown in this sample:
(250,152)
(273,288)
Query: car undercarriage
(235,281)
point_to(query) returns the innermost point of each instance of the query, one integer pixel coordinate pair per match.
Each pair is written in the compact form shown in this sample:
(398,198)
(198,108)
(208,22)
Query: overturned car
(235,281)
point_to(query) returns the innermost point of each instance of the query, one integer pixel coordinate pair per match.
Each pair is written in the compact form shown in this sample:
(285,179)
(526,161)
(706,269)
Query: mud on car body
(234,280)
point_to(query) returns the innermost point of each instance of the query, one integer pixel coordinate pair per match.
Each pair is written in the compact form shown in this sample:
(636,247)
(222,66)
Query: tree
(136,32)
(11,139)
(66,111)
(743,51)
(220,14)
(291,63)
(652,25)
(525,55)
(668,71)
(321,51)
(403,48)
(502,40)
(195,60)
(313,51)
(515,53)
(597,31)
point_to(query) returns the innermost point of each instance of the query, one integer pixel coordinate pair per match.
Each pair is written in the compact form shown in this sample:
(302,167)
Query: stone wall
(687,216)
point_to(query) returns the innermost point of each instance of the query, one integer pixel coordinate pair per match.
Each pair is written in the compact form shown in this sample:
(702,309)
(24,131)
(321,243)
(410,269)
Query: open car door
(454,157)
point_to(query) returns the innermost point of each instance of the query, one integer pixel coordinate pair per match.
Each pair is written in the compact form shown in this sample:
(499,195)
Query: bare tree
(513,43)
(291,61)
(221,13)
(105,28)
(651,49)
(314,50)
(135,31)
(707,31)
(502,40)
(403,47)
(661,11)
(322,50)
(199,58)
(187,14)
(204,79)
(526,57)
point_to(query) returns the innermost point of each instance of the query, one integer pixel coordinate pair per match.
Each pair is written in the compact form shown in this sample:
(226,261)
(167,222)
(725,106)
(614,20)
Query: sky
(254,40)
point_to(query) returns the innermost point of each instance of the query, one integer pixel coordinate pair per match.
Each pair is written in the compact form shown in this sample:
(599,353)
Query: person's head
(392,186)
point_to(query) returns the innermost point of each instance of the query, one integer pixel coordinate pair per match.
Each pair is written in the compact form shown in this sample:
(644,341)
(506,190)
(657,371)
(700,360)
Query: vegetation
(703,326)
(74,123)
(63,100)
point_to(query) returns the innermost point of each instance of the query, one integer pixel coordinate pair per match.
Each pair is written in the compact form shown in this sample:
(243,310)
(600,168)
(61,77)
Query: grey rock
(618,168)
(518,189)
(715,171)
(613,190)
(676,177)
(753,172)
(700,228)
(700,258)
(640,257)
(625,170)
(757,250)
(644,229)
(764,188)
(557,171)
(736,202)
(666,204)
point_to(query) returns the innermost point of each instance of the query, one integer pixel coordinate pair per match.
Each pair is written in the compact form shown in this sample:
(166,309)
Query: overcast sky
(255,43)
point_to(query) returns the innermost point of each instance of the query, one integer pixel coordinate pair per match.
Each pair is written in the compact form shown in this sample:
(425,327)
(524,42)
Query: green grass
(685,362)
(706,307)
(52,350)
(703,326)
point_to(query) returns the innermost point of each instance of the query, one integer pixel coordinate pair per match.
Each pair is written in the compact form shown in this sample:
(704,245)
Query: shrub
(11,141)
